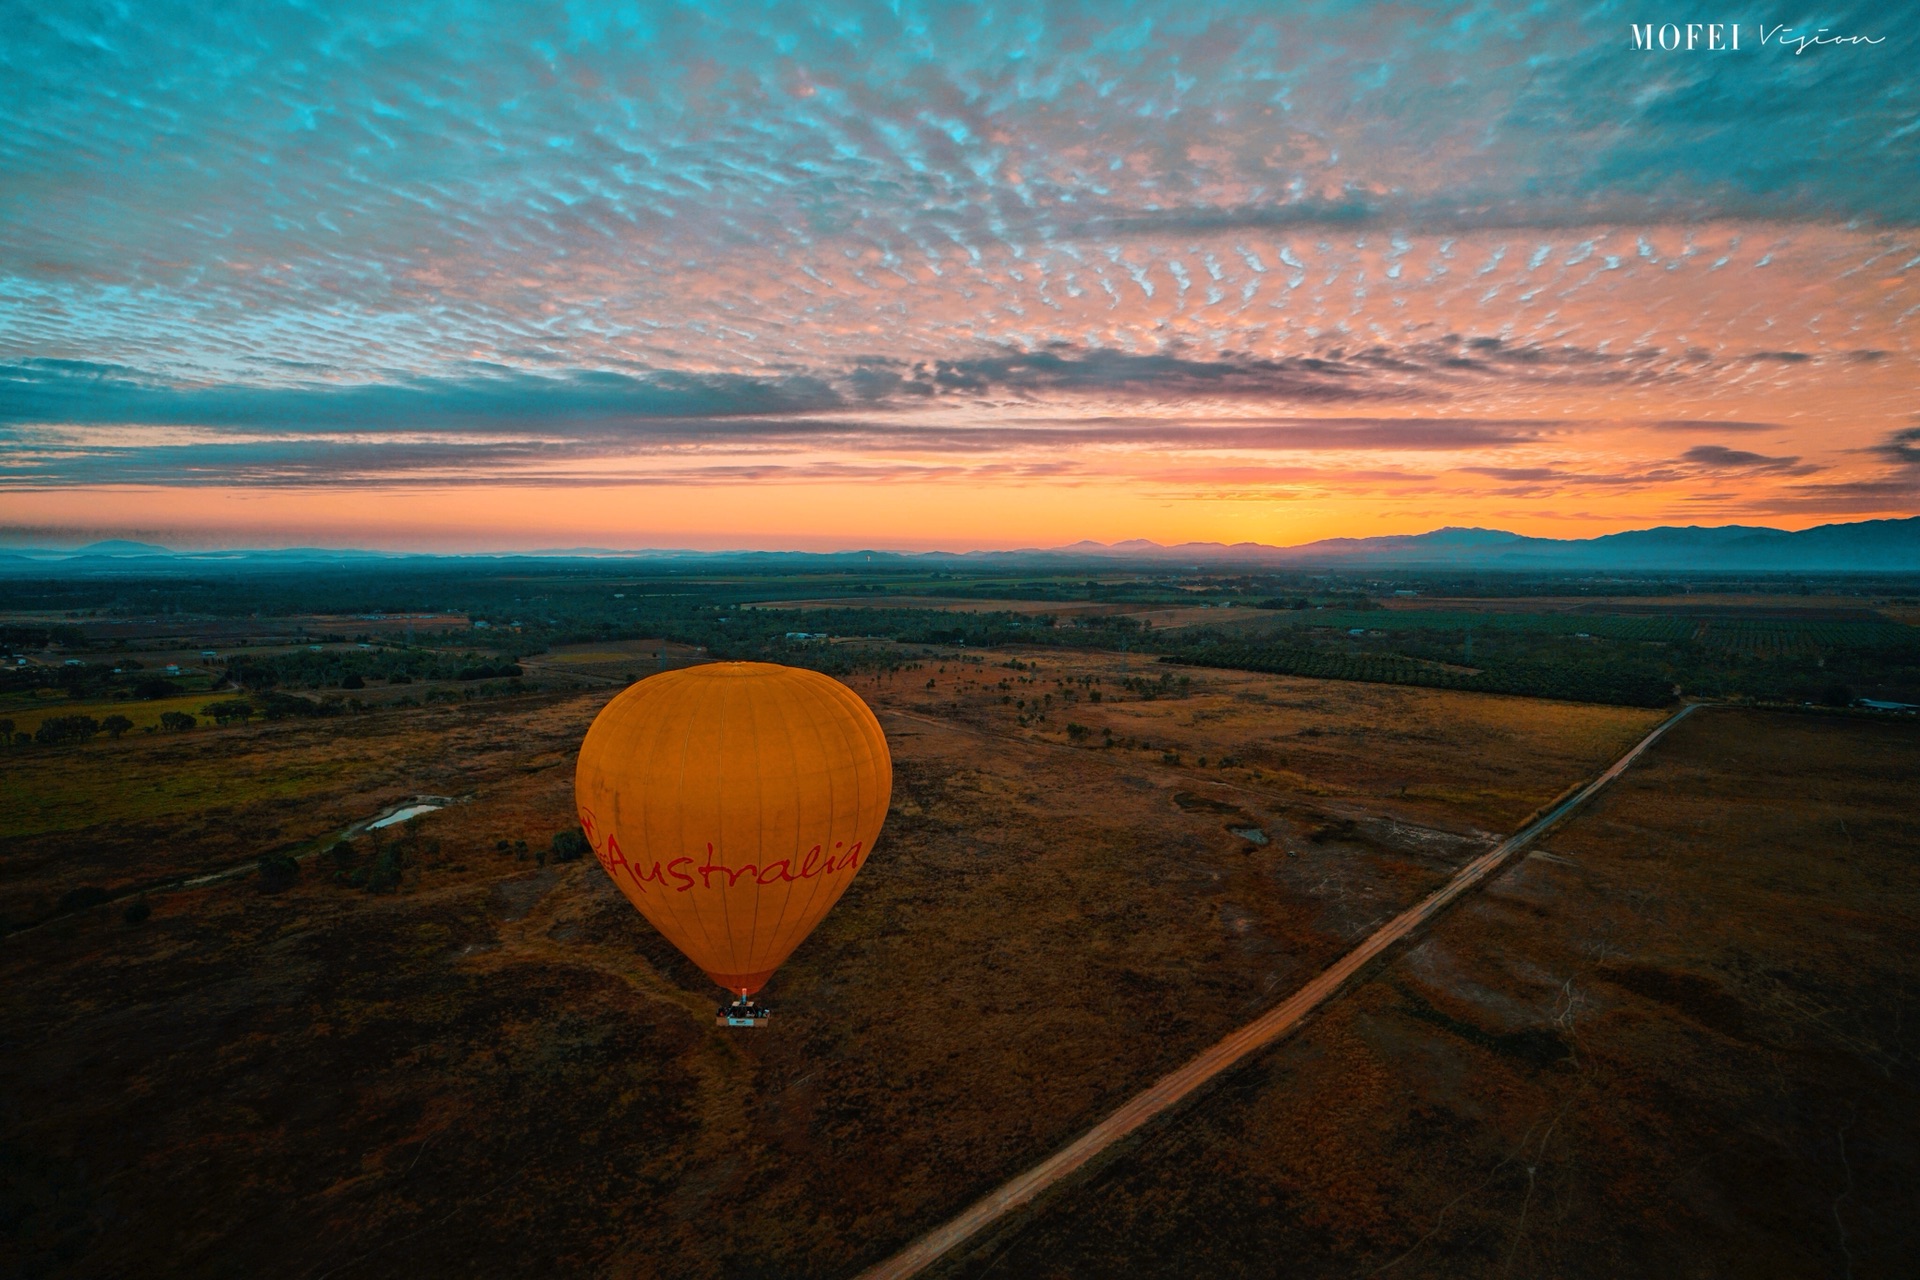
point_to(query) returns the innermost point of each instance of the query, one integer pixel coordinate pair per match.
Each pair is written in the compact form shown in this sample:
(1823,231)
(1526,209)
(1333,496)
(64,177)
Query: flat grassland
(500,1068)
(1676,1040)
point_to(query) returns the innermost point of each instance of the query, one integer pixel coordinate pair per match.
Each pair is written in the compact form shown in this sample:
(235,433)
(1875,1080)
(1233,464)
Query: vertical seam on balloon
(686,713)
(651,735)
(762,955)
(724,688)
(846,722)
(794,924)
(691,719)
(759,809)
(787,919)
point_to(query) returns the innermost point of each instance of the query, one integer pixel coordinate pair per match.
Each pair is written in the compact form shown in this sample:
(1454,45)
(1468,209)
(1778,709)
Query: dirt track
(1172,1089)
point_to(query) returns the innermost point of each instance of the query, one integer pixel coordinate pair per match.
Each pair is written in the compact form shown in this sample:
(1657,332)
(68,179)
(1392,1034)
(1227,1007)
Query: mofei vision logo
(1724,37)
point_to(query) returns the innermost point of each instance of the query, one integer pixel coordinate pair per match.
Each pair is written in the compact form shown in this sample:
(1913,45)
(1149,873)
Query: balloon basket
(742,1013)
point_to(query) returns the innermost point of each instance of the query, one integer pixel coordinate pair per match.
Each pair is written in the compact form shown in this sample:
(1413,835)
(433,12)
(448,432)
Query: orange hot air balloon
(733,803)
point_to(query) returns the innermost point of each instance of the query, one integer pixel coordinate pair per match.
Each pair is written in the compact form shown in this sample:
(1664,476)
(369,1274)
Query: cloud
(1717,457)
(65,391)
(1162,376)
(72,422)
(1901,448)
(1895,488)
(451,243)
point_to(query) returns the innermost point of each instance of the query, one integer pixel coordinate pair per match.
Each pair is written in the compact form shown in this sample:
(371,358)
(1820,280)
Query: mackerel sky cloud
(454,275)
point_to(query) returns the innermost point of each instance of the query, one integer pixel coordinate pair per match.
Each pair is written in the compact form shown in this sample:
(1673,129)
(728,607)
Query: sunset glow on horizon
(447,277)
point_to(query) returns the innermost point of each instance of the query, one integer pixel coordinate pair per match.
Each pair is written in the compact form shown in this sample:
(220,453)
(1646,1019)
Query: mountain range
(1864,546)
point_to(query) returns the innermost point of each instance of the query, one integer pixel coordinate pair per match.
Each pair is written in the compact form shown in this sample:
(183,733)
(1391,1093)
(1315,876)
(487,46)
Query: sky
(456,276)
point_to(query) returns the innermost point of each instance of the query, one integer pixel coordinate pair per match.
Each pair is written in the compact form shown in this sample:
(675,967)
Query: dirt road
(1175,1087)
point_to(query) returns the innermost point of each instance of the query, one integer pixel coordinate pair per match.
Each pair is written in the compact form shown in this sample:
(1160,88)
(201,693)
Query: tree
(176,721)
(115,725)
(570,845)
(385,875)
(229,710)
(6,733)
(58,729)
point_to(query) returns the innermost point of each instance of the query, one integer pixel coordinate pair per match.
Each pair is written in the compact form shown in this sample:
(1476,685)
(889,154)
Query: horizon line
(138,548)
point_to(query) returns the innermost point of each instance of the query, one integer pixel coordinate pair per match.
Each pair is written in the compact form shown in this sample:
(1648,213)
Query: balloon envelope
(733,803)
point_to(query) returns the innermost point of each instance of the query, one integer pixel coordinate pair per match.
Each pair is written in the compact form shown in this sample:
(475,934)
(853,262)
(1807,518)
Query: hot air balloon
(733,803)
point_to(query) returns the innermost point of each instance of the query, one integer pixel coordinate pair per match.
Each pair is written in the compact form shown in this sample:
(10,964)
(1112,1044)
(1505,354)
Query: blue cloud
(433,215)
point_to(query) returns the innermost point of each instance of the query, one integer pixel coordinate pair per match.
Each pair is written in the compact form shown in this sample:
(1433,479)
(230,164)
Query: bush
(87,895)
(343,854)
(277,871)
(282,706)
(230,710)
(176,721)
(385,874)
(137,911)
(116,725)
(570,846)
(1077,732)
(58,729)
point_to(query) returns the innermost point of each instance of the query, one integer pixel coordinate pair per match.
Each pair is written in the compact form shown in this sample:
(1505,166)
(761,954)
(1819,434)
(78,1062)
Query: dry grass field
(500,1068)
(1677,1040)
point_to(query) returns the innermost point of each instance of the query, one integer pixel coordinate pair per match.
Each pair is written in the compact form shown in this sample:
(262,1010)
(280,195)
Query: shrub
(57,729)
(137,911)
(230,710)
(1077,732)
(384,877)
(282,706)
(116,725)
(277,871)
(176,721)
(343,854)
(570,845)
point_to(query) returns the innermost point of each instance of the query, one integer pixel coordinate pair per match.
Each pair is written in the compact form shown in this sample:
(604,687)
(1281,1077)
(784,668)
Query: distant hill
(1868,546)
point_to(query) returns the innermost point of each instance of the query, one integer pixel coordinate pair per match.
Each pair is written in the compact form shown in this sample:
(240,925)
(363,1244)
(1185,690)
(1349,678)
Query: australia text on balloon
(683,870)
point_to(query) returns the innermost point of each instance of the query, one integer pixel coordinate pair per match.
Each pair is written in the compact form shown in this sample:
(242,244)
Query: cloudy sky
(470,276)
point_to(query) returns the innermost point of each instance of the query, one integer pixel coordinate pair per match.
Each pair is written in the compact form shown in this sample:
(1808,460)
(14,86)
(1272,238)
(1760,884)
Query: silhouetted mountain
(1866,546)
(1872,545)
